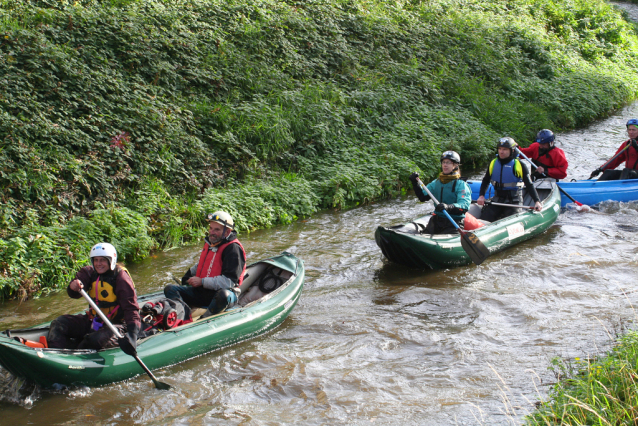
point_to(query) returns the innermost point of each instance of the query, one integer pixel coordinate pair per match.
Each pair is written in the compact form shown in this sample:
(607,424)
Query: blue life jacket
(508,176)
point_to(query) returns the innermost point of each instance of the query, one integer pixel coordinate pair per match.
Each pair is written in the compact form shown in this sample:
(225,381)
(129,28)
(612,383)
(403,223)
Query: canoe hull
(50,367)
(401,246)
(588,192)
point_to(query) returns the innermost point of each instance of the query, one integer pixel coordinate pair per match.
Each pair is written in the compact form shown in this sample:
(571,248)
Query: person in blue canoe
(627,153)
(508,176)
(454,195)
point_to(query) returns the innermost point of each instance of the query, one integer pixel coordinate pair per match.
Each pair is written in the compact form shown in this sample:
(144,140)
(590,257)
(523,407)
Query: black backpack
(271,280)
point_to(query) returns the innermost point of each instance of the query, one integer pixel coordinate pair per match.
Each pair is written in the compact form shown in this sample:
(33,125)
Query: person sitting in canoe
(550,160)
(454,196)
(627,153)
(508,176)
(112,288)
(213,281)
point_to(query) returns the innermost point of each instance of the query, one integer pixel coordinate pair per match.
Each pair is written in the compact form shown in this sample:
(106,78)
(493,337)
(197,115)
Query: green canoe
(405,245)
(52,367)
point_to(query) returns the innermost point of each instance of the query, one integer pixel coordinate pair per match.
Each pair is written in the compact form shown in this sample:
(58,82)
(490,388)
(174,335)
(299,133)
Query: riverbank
(602,390)
(125,121)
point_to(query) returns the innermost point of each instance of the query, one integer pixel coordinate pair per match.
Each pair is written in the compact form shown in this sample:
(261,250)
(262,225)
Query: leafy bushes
(263,203)
(34,257)
(271,109)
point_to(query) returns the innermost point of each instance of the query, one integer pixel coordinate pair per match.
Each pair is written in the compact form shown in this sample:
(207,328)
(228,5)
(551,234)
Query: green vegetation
(124,120)
(603,391)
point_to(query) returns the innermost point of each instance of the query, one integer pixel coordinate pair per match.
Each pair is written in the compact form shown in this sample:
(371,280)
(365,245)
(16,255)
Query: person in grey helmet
(508,176)
(454,195)
(213,282)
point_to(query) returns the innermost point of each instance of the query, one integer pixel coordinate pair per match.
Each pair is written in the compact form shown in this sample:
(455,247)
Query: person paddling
(453,193)
(110,285)
(627,153)
(550,160)
(508,176)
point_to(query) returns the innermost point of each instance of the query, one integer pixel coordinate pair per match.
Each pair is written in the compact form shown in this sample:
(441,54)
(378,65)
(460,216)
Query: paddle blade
(581,208)
(159,385)
(162,386)
(474,247)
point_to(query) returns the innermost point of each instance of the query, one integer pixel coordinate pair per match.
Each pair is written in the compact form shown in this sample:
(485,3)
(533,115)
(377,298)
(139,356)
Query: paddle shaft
(425,188)
(613,158)
(559,188)
(117,333)
(474,248)
(517,206)
(101,314)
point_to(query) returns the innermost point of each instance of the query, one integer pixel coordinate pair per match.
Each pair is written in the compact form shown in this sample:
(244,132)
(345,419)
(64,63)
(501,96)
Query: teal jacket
(456,192)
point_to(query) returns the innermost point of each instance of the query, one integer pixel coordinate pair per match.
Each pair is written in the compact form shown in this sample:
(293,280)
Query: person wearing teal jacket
(453,194)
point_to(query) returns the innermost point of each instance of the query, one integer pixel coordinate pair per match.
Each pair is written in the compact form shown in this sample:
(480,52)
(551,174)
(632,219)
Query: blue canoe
(588,192)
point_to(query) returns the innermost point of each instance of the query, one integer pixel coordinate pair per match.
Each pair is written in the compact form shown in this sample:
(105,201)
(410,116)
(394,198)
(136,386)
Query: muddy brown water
(375,343)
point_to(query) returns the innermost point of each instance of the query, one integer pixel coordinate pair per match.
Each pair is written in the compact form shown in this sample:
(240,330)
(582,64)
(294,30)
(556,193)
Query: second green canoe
(405,245)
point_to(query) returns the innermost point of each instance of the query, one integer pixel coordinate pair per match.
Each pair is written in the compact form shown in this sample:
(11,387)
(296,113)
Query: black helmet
(452,156)
(545,136)
(507,142)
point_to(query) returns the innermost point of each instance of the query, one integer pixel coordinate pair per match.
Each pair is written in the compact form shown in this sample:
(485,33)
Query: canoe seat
(476,210)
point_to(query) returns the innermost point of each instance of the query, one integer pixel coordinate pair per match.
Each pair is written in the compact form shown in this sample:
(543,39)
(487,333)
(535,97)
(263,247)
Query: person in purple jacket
(110,285)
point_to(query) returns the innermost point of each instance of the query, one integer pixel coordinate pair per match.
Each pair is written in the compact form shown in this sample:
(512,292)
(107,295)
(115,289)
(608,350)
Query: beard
(214,240)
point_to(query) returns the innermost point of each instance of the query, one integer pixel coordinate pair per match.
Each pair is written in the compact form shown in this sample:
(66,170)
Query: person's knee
(610,174)
(223,300)
(60,326)
(57,334)
(171,291)
(628,173)
(101,339)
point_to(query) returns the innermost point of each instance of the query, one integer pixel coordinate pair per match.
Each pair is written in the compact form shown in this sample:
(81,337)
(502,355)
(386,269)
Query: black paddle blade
(159,385)
(162,386)
(474,247)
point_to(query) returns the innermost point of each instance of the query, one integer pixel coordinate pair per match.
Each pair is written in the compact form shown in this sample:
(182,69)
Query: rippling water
(375,343)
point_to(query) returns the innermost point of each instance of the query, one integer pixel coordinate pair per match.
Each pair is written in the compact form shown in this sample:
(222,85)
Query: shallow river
(375,343)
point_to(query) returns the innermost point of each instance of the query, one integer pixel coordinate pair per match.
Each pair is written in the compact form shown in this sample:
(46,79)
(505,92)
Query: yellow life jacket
(106,298)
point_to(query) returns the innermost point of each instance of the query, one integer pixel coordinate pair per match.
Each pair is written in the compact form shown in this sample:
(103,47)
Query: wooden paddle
(612,159)
(158,384)
(584,206)
(469,241)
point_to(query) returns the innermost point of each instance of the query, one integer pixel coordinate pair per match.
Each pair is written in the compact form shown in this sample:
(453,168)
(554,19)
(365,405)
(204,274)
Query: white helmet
(105,250)
(222,218)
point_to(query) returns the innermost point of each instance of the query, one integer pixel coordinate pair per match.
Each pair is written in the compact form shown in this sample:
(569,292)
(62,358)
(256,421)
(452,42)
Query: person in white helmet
(111,287)
(213,282)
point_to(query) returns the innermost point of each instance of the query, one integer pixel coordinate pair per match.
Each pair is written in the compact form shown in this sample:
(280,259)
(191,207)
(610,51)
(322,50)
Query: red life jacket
(210,262)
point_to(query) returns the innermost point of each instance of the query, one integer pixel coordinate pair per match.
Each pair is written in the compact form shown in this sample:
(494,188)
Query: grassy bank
(124,120)
(602,391)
